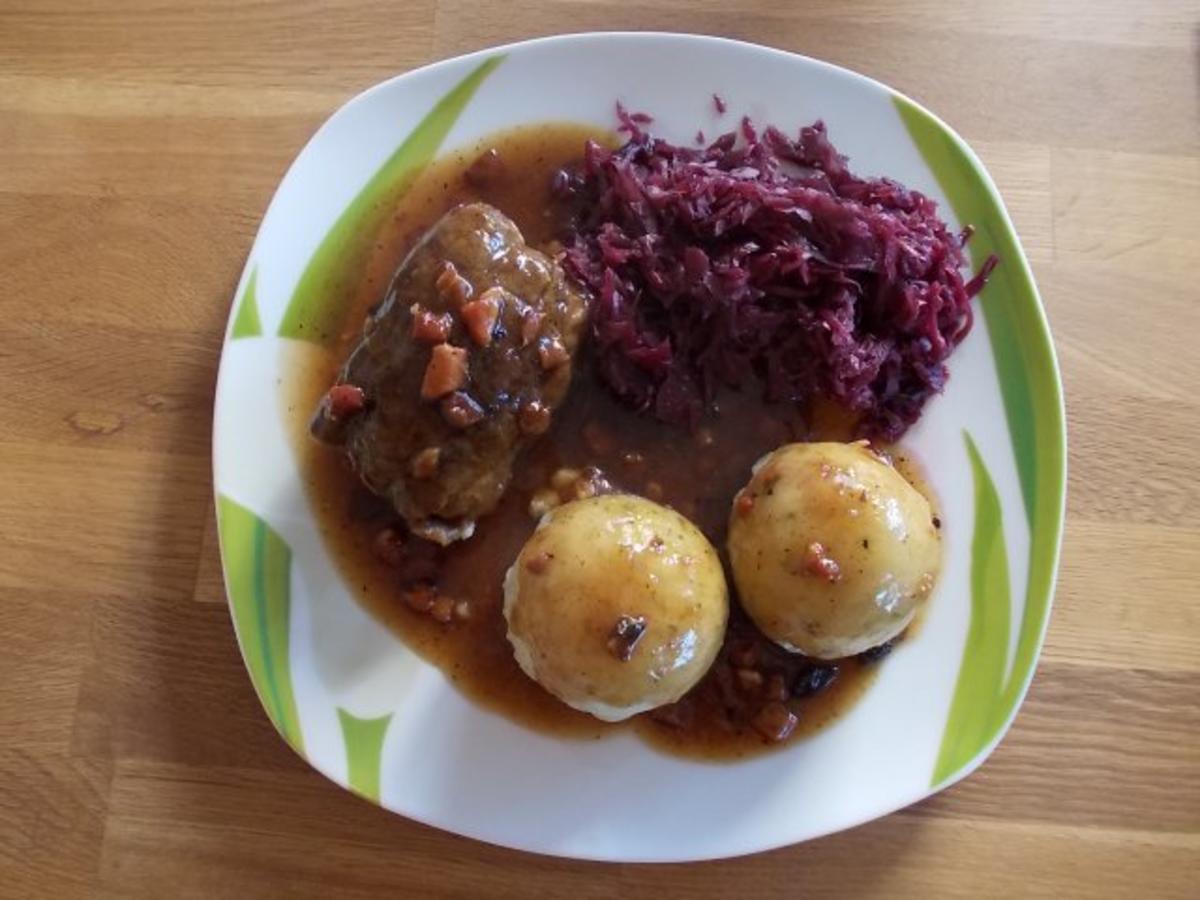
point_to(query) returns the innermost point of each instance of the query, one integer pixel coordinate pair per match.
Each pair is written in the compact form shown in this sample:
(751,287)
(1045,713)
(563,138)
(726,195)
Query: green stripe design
(364,751)
(975,711)
(247,323)
(313,314)
(258,573)
(1032,395)
(257,560)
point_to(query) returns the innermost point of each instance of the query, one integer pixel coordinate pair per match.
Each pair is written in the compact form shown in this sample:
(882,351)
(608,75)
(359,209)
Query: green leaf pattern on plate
(258,575)
(1032,395)
(247,323)
(340,257)
(257,561)
(364,751)
(975,710)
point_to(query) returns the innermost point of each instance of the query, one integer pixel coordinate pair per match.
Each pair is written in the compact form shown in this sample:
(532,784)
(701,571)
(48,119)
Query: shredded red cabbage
(764,257)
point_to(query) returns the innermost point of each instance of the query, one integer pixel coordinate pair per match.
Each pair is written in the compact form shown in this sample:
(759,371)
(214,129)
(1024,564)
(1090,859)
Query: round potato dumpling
(832,550)
(616,605)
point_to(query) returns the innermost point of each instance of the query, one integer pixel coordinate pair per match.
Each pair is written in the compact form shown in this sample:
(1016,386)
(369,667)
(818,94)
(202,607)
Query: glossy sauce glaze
(697,473)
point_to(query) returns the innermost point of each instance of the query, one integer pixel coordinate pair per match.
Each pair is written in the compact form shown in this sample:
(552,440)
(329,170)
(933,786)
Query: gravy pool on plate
(592,440)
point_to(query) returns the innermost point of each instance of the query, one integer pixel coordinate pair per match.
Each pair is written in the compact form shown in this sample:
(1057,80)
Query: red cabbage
(764,258)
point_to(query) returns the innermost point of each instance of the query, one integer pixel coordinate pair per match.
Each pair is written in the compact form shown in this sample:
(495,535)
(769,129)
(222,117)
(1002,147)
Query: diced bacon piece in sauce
(487,168)
(345,400)
(461,410)
(552,353)
(453,288)
(429,327)
(480,316)
(445,373)
(533,417)
(775,721)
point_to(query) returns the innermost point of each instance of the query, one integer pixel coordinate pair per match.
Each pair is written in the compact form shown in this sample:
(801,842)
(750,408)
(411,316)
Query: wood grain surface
(139,144)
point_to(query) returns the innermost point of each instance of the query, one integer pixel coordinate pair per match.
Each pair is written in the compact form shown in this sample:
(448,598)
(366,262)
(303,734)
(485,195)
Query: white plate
(352,700)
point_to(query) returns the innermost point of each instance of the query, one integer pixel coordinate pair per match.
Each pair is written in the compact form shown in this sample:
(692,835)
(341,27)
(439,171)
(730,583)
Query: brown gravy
(697,474)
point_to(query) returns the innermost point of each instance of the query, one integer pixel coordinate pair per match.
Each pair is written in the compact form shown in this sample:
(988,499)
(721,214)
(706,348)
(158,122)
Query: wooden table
(139,145)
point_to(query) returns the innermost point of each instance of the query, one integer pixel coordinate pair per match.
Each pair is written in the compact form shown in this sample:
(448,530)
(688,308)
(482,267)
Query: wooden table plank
(139,145)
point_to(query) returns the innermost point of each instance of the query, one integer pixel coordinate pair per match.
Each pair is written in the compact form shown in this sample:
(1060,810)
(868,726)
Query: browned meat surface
(458,369)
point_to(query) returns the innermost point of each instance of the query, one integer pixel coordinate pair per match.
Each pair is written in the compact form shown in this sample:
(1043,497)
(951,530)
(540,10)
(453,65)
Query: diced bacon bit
(531,321)
(445,276)
(446,371)
(625,635)
(442,609)
(344,401)
(452,287)
(429,327)
(775,722)
(744,503)
(420,598)
(537,565)
(776,687)
(425,463)
(460,410)
(480,316)
(749,680)
(486,168)
(533,417)
(552,353)
(425,599)
(818,562)
(389,546)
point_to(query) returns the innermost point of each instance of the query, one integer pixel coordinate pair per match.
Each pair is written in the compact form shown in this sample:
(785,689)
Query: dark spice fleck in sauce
(743,704)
